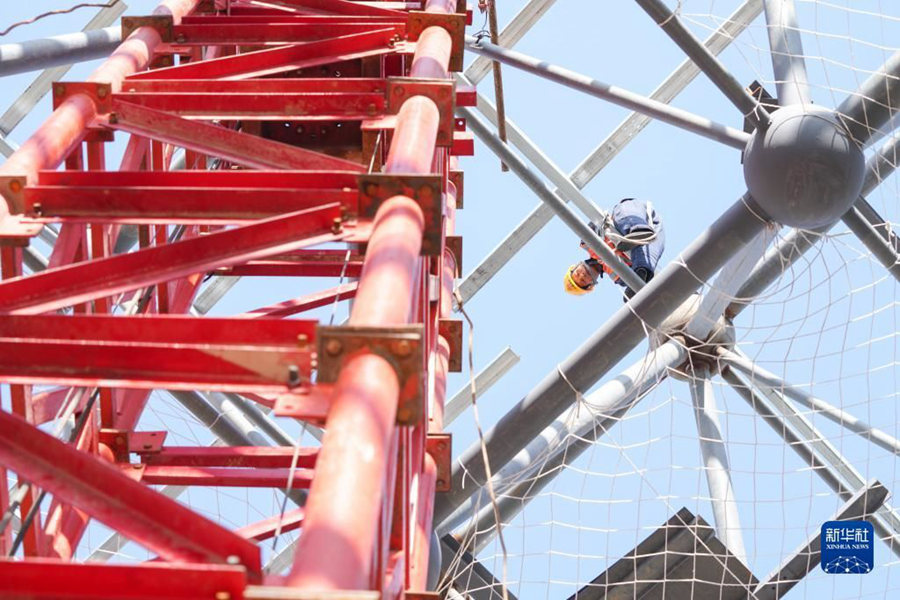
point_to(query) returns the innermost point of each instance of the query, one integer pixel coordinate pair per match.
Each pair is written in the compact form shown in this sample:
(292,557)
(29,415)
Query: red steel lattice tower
(98,330)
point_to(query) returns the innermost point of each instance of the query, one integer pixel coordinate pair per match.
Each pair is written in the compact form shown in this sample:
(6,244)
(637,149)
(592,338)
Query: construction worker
(635,232)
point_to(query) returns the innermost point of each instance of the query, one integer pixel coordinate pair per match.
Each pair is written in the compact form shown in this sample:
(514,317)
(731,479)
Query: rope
(484,456)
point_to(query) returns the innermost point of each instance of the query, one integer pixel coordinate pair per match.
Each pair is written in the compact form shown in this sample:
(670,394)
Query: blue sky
(829,324)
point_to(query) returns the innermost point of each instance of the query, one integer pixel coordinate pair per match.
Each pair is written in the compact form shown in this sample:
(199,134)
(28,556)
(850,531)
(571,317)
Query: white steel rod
(705,60)
(885,521)
(487,377)
(726,285)
(786,48)
(875,103)
(759,375)
(517,27)
(616,95)
(715,463)
(58,50)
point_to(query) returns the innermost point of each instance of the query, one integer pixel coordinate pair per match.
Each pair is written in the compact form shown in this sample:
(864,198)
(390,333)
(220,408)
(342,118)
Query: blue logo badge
(848,547)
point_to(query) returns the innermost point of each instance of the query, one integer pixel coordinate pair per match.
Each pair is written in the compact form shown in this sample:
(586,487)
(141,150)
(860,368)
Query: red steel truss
(304,122)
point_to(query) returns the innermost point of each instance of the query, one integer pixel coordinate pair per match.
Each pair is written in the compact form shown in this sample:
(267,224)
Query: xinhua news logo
(848,547)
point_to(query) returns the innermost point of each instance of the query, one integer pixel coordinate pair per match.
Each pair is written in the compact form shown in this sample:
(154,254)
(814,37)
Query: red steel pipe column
(340,529)
(63,130)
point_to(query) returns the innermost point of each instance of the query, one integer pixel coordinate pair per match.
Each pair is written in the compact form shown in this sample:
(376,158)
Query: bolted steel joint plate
(455,246)
(439,447)
(452,331)
(375,188)
(440,91)
(99,93)
(454,23)
(163,24)
(457,178)
(401,346)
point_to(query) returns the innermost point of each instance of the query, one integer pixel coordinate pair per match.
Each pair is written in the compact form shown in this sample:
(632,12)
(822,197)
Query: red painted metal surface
(278,113)
(110,496)
(54,580)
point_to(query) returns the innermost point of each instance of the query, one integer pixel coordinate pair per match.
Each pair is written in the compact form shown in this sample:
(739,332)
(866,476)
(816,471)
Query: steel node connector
(804,169)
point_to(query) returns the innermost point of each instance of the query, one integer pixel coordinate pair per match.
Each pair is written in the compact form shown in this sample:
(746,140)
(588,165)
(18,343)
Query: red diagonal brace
(281,59)
(156,522)
(265,529)
(298,305)
(343,7)
(241,148)
(73,284)
(268,33)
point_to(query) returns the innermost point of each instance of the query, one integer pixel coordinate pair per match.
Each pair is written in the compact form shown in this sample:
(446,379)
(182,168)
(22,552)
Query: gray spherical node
(804,170)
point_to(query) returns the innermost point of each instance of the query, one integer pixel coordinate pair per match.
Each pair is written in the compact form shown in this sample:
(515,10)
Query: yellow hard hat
(571,286)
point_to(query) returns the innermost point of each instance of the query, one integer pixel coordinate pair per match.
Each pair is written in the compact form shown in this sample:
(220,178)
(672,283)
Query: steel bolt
(293,375)
(113,118)
(15,186)
(440,483)
(102,91)
(233,560)
(37,208)
(180,38)
(120,440)
(399,90)
(223,596)
(136,466)
(148,446)
(336,225)
(404,415)
(334,347)
(303,340)
(59,90)
(402,348)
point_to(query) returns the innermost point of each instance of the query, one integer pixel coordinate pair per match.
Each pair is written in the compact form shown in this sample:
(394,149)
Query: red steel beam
(238,16)
(284,106)
(155,521)
(263,457)
(230,33)
(267,528)
(65,286)
(283,59)
(288,268)
(227,477)
(64,129)
(344,7)
(210,205)
(241,148)
(272,85)
(44,579)
(309,302)
(174,352)
(224,180)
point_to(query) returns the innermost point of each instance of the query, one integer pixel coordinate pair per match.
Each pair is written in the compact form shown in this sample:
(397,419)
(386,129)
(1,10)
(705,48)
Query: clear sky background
(829,324)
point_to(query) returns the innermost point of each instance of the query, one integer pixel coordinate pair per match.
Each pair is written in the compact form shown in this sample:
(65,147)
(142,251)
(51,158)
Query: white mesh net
(826,327)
